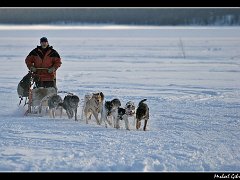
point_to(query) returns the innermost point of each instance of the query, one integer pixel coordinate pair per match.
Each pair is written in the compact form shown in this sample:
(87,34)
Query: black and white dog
(70,104)
(131,110)
(142,113)
(109,110)
(124,113)
(121,115)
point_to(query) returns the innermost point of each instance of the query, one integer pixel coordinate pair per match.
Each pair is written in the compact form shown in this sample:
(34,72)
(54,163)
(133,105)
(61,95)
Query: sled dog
(142,113)
(53,104)
(121,115)
(109,110)
(125,113)
(131,110)
(93,104)
(70,104)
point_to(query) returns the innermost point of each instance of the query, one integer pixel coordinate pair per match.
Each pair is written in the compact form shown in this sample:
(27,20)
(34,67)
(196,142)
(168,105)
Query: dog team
(111,112)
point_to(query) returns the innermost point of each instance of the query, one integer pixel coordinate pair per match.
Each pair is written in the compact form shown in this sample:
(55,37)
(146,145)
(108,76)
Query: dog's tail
(141,101)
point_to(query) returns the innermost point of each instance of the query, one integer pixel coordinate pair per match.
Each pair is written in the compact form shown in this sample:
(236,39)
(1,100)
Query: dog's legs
(114,122)
(71,113)
(126,122)
(145,124)
(40,109)
(109,122)
(68,114)
(134,120)
(138,124)
(75,114)
(104,118)
(61,111)
(96,117)
(117,123)
(101,119)
(49,113)
(46,111)
(83,112)
(53,112)
(86,116)
(105,123)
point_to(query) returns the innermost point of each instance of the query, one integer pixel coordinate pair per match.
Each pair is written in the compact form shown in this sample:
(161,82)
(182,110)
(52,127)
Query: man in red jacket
(43,61)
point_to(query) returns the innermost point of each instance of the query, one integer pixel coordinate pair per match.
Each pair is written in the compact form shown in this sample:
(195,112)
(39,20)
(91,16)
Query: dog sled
(38,98)
(35,98)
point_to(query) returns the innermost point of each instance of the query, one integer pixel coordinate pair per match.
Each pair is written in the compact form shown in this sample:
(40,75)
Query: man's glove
(52,69)
(33,69)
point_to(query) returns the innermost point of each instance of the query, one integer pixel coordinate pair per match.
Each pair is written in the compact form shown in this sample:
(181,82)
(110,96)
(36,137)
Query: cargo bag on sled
(24,86)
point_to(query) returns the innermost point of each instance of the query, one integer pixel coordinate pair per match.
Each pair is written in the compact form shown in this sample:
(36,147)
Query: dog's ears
(102,95)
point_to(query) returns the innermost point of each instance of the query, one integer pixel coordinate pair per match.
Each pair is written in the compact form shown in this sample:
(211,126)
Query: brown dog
(93,104)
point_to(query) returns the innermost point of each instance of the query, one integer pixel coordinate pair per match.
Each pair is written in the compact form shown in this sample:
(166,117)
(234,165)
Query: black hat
(43,39)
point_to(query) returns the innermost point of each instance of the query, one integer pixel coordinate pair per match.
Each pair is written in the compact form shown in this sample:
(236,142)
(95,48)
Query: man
(43,61)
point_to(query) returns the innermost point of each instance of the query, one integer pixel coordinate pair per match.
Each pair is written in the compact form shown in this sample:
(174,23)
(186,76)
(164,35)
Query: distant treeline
(133,16)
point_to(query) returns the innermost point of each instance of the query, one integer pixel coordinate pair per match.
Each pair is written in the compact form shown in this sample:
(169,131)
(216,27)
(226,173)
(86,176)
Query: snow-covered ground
(190,77)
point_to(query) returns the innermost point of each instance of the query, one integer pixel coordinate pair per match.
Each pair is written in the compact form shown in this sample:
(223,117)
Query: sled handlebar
(42,68)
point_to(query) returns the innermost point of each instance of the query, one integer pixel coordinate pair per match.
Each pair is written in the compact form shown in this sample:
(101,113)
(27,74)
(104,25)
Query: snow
(194,101)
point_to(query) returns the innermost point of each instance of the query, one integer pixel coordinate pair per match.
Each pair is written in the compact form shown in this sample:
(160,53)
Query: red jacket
(37,59)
